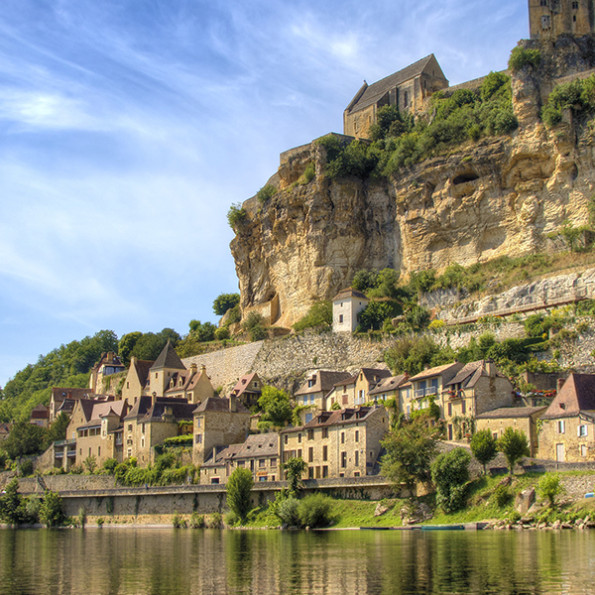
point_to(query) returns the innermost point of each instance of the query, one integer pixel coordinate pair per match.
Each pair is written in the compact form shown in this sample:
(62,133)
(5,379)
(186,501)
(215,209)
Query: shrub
(81,518)
(197,521)
(110,465)
(236,216)
(254,326)
(266,193)
(225,302)
(222,334)
(178,522)
(215,521)
(294,467)
(320,315)
(484,447)
(231,519)
(51,510)
(287,511)
(26,468)
(450,474)
(502,496)
(100,522)
(522,57)
(308,175)
(549,488)
(239,488)
(90,464)
(375,313)
(315,511)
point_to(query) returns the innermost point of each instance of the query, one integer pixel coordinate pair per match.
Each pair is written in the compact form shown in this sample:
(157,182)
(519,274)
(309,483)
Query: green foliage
(225,302)
(502,496)
(294,469)
(215,521)
(414,354)
(521,58)
(364,280)
(239,487)
(577,95)
(109,465)
(265,194)
(90,464)
(202,331)
(236,216)
(320,315)
(375,313)
(51,511)
(450,474)
(182,440)
(57,431)
(24,439)
(126,345)
(549,487)
(308,175)
(287,511)
(410,448)
(538,325)
(315,511)
(11,510)
(254,326)
(514,445)
(275,406)
(484,447)
(222,333)
(197,521)
(149,345)
(422,281)
(178,522)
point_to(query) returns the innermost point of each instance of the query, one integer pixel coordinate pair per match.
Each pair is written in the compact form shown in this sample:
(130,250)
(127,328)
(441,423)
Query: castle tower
(549,19)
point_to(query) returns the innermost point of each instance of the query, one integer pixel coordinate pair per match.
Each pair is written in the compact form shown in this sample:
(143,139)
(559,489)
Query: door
(560,455)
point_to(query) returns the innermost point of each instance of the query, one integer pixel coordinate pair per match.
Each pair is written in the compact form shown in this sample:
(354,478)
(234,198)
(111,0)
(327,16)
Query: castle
(410,88)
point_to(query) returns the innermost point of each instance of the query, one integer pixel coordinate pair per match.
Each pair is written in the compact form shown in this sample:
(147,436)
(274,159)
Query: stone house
(96,429)
(343,443)
(218,422)
(248,390)
(407,90)
(477,387)
(314,390)
(388,388)
(193,385)
(40,416)
(341,395)
(567,432)
(151,420)
(166,365)
(259,453)
(347,305)
(108,364)
(548,19)
(136,382)
(425,387)
(62,400)
(355,391)
(524,419)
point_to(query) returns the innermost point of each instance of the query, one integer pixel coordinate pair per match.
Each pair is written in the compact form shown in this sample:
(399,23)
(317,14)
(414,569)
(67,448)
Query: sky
(128,128)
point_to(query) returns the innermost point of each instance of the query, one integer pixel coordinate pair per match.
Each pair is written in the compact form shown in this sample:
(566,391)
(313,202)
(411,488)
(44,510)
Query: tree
(57,431)
(51,511)
(202,331)
(450,474)
(375,313)
(225,302)
(294,468)
(484,447)
(410,448)
(239,487)
(126,345)
(11,504)
(414,354)
(24,439)
(275,406)
(549,487)
(513,444)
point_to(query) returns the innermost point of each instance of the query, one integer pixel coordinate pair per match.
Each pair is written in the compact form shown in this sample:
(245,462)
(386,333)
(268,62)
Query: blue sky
(128,127)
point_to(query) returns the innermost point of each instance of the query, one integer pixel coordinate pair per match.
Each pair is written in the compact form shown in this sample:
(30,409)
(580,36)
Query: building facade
(347,305)
(548,19)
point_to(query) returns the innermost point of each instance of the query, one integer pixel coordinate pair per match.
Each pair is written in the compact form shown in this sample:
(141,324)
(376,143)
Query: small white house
(347,304)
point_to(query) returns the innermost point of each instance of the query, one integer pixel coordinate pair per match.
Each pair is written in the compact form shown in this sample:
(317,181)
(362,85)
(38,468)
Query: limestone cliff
(499,196)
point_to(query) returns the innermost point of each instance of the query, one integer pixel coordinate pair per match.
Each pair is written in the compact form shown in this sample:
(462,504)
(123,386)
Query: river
(156,561)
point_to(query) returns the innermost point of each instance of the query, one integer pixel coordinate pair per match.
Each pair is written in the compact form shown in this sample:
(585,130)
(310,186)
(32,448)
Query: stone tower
(549,19)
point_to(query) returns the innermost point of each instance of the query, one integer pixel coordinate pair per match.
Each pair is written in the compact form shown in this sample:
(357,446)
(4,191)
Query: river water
(156,561)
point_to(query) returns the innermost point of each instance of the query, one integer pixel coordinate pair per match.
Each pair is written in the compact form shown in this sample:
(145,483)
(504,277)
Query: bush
(215,521)
(308,175)
(254,326)
(197,521)
(26,468)
(222,334)
(375,314)
(320,315)
(549,488)
(236,216)
(266,193)
(315,511)
(521,58)
(502,496)
(51,510)
(109,466)
(287,511)
(178,522)
(450,474)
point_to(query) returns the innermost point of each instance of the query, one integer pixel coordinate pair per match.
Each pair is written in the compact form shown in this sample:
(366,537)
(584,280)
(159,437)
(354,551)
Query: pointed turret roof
(168,358)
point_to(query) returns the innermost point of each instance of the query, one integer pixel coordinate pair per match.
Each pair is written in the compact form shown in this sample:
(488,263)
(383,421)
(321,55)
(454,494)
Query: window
(199,422)
(545,21)
(342,437)
(343,460)
(299,437)
(261,462)
(309,417)
(214,480)
(449,409)
(324,471)
(583,450)
(575,6)
(310,472)
(198,439)
(463,407)
(561,427)
(325,453)
(356,458)
(340,318)
(311,454)
(357,435)
(310,434)
(543,3)
(273,463)
(325,432)
(286,438)
(299,453)
(582,431)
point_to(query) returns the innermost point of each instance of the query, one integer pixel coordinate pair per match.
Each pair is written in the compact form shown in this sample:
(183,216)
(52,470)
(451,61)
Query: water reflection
(212,562)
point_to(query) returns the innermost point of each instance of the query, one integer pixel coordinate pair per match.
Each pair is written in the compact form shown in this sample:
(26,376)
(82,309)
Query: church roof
(168,358)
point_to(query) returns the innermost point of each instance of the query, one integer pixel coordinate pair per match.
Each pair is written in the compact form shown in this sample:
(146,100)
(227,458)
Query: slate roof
(331,418)
(144,410)
(469,374)
(375,375)
(448,371)
(349,293)
(244,385)
(371,94)
(259,445)
(510,412)
(40,412)
(324,382)
(577,395)
(60,393)
(142,367)
(94,411)
(168,358)
(218,404)
(222,454)
(388,384)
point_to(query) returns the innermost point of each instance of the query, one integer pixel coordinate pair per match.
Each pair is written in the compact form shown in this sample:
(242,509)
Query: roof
(259,445)
(40,412)
(371,94)
(511,412)
(168,358)
(244,385)
(349,293)
(448,370)
(324,380)
(576,395)
(222,454)
(144,409)
(142,368)
(374,375)
(218,404)
(94,411)
(339,417)
(470,373)
(60,393)
(388,384)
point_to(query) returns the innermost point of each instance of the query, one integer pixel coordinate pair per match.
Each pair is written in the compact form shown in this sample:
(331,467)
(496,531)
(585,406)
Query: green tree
(239,488)
(254,326)
(315,511)
(126,345)
(514,446)
(320,315)
(57,431)
(202,331)
(294,468)
(375,313)
(414,354)
(24,439)
(275,406)
(225,302)
(484,447)
(11,504)
(410,448)
(51,511)
(549,487)
(450,474)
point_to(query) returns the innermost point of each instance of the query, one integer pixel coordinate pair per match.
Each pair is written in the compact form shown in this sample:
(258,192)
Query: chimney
(153,399)
(214,452)
(110,357)
(559,384)
(233,404)
(133,360)
(203,369)
(193,368)
(490,368)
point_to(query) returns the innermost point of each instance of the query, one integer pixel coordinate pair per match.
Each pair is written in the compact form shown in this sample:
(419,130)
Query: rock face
(499,196)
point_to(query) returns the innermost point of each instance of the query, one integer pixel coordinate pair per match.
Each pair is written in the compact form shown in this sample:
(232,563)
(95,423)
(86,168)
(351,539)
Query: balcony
(422,393)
